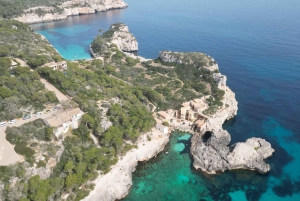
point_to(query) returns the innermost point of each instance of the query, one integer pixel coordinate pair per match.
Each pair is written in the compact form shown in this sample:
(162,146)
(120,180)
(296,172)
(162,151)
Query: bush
(41,164)
(22,149)
(165,123)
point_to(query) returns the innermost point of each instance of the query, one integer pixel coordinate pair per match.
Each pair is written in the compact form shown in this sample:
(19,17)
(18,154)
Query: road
(7,153)
(60,96)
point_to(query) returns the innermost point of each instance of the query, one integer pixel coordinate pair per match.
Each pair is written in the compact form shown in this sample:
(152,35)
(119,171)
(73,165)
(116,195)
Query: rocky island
(68,8)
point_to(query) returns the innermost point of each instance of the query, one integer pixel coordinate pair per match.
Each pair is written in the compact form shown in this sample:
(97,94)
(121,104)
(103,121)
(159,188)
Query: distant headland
(69,8)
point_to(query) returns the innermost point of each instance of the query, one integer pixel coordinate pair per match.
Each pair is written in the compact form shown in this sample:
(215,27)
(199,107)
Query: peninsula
(202,116)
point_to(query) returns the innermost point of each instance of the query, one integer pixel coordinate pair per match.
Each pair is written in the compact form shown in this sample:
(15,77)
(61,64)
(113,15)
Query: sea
(257,46)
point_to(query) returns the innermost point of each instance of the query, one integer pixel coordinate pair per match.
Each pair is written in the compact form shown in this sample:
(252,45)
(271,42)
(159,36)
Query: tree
(51,97)
(88,120)
(165,123)
(49,133)
(69,167)
(4,92)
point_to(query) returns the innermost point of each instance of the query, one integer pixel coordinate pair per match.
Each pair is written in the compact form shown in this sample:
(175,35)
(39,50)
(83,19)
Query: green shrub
(22,149)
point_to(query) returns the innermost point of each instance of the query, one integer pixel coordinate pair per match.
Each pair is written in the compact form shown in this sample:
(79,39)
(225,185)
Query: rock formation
(70,8)
(117,183)
(220,79)
(198,59)
(119,35)
(124,39)
(211,152)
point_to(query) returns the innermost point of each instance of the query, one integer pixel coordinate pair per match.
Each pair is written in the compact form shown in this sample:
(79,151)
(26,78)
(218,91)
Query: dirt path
(60,96)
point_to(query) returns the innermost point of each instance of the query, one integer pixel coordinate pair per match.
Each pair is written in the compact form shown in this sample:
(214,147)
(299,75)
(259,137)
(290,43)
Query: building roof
(50,64)
(63,117)
(163,114)
(74,111)
(186,104)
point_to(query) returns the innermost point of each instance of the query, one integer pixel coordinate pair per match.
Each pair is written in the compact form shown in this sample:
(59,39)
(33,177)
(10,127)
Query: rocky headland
(69,8)
(210,149)
(124,39)
(117,36)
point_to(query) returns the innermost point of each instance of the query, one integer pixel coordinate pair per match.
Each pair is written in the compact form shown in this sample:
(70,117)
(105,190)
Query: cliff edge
(211,152)
(117,36)
(69,8)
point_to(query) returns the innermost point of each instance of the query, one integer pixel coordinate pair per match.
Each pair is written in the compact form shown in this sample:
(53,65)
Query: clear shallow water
(257,45)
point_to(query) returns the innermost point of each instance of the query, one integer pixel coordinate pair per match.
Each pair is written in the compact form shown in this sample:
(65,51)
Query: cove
(256,44)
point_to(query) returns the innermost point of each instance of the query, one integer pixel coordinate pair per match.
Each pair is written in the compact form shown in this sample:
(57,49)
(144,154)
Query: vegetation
(18,40)
(14,8)
(21,88)
(119,89)
(26,137)
(77,165)
(100,44)
(166,84)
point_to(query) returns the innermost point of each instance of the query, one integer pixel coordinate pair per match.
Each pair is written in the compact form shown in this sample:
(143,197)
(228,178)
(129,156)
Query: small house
(162,128)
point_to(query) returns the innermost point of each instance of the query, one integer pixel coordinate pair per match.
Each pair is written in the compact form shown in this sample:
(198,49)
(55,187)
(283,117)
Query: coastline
(68,12)
(117,183)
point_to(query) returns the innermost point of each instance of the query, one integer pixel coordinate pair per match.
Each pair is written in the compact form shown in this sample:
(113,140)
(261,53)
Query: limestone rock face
(92,6)
(210,148)
(251,155)
(105,5)
(220,79)
(197,59)
(124,39)
(209,156)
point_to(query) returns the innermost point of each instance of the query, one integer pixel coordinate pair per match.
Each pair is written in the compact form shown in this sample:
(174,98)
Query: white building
(62,65)
(162,128)
(64,120)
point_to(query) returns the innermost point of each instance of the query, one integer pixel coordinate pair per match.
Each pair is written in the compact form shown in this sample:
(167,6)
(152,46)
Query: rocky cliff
(197,59)
(70,8)
(211,152)
(124,39)
(117,183)
(118,36)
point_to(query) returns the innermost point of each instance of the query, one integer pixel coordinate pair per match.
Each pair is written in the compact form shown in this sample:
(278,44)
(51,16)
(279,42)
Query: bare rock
(124,39)
(211,152)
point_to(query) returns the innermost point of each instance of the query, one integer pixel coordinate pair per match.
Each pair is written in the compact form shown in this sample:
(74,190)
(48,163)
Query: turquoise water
(173,168)
(257,46)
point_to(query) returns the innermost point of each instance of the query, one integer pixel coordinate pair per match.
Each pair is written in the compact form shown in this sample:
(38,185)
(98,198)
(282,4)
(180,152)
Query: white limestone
(92,6)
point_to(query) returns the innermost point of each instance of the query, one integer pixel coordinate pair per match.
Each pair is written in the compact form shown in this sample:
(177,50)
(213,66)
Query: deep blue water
(256,44)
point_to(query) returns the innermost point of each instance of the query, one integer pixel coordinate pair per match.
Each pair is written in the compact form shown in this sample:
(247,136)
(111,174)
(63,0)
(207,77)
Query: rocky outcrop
(220,79)
(197,59)
(211,152)
(71,8)
(118,36)
(124,39)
